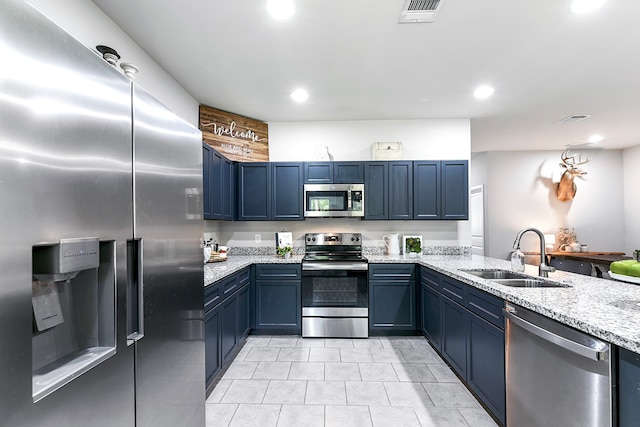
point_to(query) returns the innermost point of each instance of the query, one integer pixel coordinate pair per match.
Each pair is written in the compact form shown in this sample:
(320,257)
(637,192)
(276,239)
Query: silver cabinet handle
(135,295)
(598,351)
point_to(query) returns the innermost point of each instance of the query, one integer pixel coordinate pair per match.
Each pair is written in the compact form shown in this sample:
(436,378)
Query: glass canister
(517,261)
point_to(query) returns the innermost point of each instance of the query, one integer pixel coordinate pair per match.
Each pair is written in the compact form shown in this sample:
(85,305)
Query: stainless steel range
(335,297)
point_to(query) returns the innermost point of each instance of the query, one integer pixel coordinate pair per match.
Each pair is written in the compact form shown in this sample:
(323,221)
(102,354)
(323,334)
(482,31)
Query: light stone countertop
(607,309)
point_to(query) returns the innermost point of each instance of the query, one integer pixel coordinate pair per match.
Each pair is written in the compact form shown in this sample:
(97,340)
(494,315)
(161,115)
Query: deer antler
(569,162)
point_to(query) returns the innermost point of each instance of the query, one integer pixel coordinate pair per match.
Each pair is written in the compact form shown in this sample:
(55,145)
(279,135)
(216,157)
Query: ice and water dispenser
(74,308)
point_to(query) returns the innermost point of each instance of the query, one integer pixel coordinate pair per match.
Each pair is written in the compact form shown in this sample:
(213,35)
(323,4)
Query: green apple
(634,269)
(622,267)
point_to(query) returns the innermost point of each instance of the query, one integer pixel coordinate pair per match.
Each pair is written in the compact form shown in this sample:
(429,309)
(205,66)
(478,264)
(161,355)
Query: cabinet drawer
(391,271)
(230,285)
(454,290)
(212,296)
(278,271)
(430,278)
(244,277)
(487,306)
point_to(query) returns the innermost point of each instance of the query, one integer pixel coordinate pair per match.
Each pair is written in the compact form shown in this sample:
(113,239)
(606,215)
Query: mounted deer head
(566,187)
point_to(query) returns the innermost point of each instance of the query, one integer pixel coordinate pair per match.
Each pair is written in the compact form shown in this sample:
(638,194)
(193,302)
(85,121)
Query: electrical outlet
(258,238)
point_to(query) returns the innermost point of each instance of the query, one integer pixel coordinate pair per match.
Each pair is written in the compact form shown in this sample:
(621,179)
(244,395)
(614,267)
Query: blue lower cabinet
(227,322)
(392,297)
(244,312)
(278,300)
(486,369)
(213,360)
(466,326)
(628,388)
(454,336)
(431,315)
(229,329)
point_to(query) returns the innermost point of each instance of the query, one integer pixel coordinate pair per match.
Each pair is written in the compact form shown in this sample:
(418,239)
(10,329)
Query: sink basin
(494,274)
(529,283)
(509,278)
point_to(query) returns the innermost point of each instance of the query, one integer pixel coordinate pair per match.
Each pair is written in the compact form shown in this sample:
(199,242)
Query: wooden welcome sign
(236,137)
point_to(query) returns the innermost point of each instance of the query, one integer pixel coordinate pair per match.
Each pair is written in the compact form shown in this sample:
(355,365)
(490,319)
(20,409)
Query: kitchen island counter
(607,309)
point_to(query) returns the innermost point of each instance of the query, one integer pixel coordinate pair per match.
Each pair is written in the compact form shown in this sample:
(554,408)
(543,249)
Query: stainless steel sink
(494,274)
(509,278)
(530,283)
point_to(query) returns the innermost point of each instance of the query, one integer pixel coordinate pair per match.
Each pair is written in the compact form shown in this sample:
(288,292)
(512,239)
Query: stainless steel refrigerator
(101,280)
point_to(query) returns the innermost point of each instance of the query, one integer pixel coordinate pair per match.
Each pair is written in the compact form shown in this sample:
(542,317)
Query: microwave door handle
(349,201)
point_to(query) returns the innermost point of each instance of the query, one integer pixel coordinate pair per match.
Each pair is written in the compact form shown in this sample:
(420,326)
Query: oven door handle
(335,265)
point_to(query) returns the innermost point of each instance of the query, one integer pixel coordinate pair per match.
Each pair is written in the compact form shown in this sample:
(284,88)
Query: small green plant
(284,250)
(414,245)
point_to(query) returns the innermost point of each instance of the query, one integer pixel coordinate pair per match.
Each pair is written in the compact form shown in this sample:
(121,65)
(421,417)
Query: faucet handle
(547,268)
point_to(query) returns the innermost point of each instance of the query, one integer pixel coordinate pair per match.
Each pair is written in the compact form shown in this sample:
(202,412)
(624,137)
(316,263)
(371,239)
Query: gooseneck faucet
(543,268)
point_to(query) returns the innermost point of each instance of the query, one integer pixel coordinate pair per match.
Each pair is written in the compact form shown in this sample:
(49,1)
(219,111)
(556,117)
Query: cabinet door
(376,190)
(254,191)
(217,185)
(286,191)
(454,336)
(318,172)
(431,314)
(486,370)
(278,305)
(426,190)
(348,172)
(228,328)
(455,189)
(391,305)
(629,388)
(400,190)
(206,180)
(228,189)
(213,360)
(243,312)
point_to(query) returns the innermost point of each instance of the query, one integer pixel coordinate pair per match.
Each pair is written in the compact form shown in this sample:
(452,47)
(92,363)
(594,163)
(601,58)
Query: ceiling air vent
(419,11)
(573,119)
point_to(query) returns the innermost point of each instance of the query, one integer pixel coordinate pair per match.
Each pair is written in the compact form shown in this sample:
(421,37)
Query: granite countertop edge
(606,309)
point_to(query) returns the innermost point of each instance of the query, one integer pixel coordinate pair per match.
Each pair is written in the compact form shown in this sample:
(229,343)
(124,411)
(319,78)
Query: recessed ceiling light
(596,138)
(483,92)
(585,6)
(281,9)
(299,95)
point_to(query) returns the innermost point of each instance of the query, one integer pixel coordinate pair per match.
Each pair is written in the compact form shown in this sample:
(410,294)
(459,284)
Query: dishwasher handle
(595,352)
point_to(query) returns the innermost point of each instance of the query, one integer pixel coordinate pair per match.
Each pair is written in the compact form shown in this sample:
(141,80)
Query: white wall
(352,140)
(631,161)
(89,25)
(520,192)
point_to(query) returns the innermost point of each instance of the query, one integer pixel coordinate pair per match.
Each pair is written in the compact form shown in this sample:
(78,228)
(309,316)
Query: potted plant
(412,245)
(284,251)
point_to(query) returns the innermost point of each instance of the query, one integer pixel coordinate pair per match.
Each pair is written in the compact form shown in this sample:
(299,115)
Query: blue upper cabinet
(286,191)
(348,172)
(401,190)
(455,189)
(217,184)
(254,191)
(426,190)
(318,172)
(206,180)
(376,190)
(333,172)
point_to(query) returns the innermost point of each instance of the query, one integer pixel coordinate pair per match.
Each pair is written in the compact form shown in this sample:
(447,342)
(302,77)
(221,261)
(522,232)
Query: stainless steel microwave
(333,200)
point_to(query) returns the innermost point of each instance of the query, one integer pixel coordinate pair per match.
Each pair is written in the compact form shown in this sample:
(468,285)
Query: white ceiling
(359,63)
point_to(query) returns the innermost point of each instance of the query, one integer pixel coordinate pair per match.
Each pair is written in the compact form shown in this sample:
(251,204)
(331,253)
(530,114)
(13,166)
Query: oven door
(335,285)
(335,300)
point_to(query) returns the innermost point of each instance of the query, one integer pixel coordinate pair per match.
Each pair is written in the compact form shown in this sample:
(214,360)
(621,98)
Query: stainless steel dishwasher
(556,376)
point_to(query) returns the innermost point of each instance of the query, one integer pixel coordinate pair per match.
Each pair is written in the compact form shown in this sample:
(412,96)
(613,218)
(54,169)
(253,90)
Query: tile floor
(298,382)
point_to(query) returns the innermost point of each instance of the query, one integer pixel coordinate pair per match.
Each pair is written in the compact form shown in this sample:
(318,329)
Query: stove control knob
(314,239)
(308,239)
(357,239)
(353,239)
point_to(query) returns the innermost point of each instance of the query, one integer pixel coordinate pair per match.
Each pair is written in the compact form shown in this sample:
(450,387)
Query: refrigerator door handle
(135,303)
